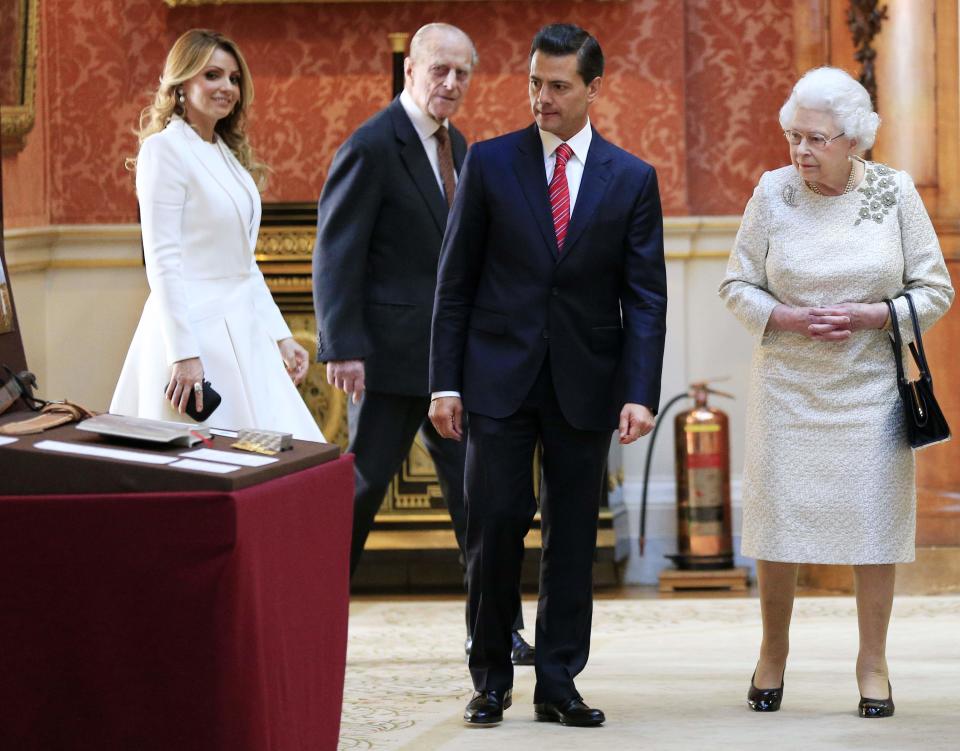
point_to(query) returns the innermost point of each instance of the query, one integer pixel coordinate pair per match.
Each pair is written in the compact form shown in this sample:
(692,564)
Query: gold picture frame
(18,112)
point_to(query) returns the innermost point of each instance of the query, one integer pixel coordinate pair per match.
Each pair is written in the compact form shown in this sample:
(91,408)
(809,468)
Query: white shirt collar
(423,123)
(580,143)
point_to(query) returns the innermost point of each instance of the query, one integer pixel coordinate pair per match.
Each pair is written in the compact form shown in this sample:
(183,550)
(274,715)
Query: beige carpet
(670,674)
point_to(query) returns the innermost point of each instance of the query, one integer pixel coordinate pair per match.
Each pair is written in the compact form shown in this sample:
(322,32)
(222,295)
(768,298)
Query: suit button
(555,291)
(545,334)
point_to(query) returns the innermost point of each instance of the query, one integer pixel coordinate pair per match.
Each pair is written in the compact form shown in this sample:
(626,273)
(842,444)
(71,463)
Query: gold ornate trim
(285,243)
(74,263)
(17,121)
(194,3)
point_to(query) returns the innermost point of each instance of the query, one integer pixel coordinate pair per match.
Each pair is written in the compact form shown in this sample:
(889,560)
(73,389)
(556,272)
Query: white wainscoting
(79,291)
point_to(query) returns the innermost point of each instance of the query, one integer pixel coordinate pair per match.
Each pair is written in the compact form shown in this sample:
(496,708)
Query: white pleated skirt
(240,359)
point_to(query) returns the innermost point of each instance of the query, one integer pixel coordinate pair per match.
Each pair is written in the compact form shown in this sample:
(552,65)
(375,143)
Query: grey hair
(835,91)
(420,38)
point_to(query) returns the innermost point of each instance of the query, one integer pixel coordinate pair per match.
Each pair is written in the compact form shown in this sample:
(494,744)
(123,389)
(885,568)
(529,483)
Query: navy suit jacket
(506,298)
(380,223)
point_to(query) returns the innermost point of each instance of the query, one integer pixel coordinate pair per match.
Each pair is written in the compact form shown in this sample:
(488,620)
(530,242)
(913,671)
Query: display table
(174,621)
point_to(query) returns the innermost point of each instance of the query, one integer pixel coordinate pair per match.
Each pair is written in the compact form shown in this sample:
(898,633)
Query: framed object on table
(11,346)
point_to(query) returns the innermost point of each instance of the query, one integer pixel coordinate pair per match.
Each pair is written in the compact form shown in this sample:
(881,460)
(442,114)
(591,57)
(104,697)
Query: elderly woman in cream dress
(829,475)
(209,315)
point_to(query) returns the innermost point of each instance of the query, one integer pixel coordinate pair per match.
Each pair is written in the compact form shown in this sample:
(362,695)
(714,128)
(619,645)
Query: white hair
(836,92)
(423,32)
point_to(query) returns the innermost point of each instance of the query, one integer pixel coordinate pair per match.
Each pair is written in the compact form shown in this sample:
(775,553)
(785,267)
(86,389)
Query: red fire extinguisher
(702,461)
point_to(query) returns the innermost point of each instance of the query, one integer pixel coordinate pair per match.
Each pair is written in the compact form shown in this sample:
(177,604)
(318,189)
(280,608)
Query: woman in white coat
(209,315)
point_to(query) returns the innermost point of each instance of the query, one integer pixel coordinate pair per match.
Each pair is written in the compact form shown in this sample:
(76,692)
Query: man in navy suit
(548,327)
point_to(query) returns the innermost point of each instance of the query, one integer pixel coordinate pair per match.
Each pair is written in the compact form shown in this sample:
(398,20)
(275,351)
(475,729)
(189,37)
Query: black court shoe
(877,707)
(486,707)
(764,699)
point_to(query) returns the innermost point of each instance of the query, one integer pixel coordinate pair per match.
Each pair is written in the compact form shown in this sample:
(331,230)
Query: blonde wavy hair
(186,59)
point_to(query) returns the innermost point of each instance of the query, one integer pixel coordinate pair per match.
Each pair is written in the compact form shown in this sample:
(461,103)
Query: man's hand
(446,414)
(348,376)
(635,421)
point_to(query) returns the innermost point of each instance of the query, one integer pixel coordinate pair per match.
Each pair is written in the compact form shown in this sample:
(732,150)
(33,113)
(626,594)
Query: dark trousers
(500,508)
(382,430)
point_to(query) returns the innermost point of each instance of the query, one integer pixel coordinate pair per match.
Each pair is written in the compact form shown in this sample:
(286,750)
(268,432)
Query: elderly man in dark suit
(381,220)
(548,328)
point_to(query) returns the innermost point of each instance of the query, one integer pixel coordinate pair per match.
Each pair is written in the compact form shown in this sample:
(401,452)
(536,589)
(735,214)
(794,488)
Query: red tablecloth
(177,621)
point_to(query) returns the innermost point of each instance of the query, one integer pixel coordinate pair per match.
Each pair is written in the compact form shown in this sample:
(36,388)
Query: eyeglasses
(814,140)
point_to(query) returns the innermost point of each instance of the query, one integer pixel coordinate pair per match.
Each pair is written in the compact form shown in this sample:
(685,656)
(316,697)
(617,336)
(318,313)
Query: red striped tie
(560,194)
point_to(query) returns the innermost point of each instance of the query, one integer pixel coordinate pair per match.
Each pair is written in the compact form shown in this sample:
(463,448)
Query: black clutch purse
(211,400)
(926,424)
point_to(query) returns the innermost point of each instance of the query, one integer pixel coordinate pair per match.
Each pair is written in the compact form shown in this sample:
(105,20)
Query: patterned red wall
(739,72)
(693,87)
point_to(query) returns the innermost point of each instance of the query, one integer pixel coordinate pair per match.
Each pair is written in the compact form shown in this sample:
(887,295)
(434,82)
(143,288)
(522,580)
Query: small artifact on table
(267,442)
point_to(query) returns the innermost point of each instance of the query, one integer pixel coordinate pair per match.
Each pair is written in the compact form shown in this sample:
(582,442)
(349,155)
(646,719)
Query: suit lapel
(593,185)
(215,165)
(415,160)
(532,175)
(246,180)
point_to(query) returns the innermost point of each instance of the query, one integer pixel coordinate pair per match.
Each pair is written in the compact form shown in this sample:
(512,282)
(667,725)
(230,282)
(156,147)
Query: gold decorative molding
(286,243)
(74,263)
(194,3)
(398,42)
(16,120)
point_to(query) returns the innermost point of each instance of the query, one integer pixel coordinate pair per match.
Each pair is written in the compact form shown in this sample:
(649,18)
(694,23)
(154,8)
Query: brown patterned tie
(445,162)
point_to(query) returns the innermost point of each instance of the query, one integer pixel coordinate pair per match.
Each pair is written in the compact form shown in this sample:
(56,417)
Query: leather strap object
(53,415)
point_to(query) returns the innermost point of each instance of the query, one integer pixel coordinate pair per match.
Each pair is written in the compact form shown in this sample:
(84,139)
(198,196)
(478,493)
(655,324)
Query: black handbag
(211,400)
(926,424)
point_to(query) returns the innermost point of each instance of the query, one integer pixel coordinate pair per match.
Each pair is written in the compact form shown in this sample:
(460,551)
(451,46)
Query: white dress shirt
(426,128)
(580,143)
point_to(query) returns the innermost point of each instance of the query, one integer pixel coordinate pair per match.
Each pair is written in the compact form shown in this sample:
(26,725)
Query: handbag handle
(896,343)
(916,346)
(919,356)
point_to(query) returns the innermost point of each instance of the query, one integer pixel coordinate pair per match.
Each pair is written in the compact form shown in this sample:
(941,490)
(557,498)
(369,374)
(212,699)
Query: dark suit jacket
(505,297)
(380,223)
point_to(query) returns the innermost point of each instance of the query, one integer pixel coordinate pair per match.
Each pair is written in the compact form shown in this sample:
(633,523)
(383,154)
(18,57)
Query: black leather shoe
(521,653)
(572,712)
(486,707)
(877,707)
(764,699)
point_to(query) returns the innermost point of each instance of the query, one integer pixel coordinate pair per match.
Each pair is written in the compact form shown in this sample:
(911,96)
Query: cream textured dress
(829,476)
(200,215)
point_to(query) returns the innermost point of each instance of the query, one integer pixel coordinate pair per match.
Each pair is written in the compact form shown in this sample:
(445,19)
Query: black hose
(646,469)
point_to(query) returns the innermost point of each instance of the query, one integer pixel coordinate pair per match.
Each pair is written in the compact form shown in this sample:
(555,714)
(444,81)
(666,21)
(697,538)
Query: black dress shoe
(764,699)
(521,653)
(572,712)
(486,707)
(877,707)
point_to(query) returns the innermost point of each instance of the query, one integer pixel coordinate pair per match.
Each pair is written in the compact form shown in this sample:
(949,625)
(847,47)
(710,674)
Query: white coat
(200,215)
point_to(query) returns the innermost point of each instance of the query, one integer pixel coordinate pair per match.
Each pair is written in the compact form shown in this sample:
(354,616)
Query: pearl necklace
(846,189)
